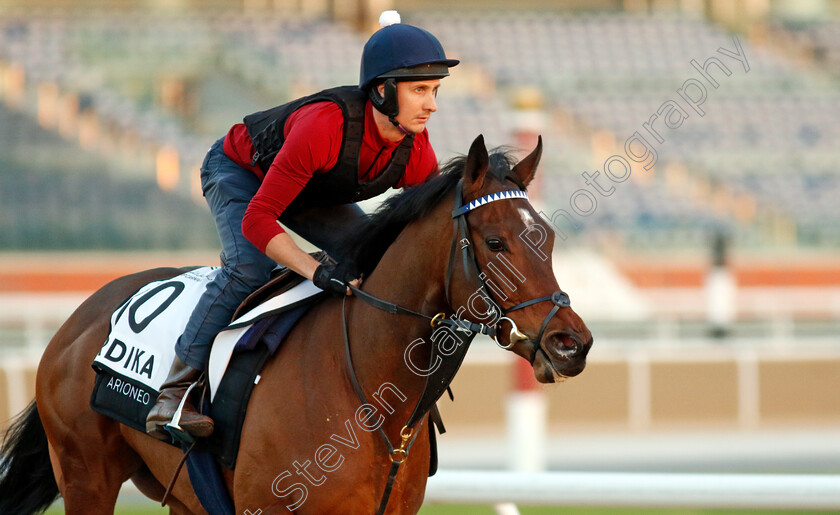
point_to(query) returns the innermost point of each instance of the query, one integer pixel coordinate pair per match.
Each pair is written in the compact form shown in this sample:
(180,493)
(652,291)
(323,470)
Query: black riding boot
(181,376)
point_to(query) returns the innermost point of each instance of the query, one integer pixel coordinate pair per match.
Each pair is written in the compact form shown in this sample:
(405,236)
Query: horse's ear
(477,163)
(526,168)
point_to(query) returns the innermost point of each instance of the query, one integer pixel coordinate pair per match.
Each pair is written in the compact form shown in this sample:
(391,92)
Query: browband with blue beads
(486,199)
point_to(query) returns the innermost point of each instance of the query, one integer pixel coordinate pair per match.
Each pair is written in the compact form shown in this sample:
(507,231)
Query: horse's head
(511,246)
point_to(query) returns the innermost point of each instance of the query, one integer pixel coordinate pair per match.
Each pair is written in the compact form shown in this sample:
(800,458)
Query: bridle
(461,238)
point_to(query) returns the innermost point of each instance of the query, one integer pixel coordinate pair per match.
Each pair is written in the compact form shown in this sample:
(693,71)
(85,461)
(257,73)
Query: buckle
(561,298)
(401,454)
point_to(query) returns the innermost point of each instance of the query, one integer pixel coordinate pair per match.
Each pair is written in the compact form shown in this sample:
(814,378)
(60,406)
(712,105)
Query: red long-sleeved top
(313,137)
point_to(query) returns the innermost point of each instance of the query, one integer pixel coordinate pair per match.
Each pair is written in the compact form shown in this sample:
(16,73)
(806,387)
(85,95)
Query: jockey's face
(417,103)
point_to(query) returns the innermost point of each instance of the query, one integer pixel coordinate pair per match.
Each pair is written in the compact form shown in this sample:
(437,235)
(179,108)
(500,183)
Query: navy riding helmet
(396,53)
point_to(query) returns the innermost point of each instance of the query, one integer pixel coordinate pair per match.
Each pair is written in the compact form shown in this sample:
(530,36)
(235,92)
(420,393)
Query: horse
(309,404)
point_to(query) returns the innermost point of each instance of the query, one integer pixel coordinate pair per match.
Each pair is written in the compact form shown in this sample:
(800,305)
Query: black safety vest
(340,185)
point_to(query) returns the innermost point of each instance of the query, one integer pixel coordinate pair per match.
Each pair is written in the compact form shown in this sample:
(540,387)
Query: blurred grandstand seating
(768,133)
(54,197)
(821,39)
(764,156)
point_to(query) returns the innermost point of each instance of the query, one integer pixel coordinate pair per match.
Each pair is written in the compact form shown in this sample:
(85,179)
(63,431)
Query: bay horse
(307,405)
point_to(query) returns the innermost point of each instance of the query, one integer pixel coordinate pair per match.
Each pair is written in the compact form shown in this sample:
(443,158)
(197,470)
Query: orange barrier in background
(41,273)
(58,281)
(84,272)
(683,274)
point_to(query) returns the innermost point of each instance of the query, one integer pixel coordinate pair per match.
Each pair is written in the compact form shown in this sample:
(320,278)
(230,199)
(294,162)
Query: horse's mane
(366,245)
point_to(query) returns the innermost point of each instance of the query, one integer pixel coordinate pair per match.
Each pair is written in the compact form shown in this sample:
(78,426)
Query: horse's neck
(411,274)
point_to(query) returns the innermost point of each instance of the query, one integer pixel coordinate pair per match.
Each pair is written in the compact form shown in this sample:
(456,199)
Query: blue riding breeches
(228,189)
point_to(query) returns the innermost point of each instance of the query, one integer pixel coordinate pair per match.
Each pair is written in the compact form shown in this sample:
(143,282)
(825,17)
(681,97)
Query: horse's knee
(89,500)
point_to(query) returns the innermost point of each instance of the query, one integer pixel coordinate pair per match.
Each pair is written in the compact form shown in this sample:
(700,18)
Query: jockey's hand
(334,278)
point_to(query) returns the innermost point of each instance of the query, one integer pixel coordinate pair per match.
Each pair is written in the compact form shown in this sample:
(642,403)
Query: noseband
(560,299)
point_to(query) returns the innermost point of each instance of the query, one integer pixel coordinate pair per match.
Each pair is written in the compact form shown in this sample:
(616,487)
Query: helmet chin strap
(398,125)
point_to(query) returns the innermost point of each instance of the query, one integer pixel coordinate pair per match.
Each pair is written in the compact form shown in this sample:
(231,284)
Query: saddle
(282,280)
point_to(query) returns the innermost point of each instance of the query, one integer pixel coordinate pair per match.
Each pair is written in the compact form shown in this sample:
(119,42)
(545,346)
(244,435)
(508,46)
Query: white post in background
(507,508)
(527,415)
(720,290)
(527,418)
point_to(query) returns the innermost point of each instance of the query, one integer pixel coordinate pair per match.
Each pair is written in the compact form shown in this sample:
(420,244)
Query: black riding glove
(334,278)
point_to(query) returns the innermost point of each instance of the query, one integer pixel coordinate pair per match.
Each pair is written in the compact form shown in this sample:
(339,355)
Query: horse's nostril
(567,341)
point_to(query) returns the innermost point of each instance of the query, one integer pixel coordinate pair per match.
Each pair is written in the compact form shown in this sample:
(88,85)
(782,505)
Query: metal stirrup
(174,426)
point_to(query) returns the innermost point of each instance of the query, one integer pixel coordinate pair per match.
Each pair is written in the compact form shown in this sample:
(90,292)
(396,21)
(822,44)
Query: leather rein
(461,238)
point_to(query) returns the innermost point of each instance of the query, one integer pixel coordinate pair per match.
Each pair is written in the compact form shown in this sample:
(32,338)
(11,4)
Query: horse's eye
(495,244)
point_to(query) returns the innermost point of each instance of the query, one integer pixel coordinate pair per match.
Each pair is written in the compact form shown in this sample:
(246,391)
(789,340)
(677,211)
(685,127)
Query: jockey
(305,164)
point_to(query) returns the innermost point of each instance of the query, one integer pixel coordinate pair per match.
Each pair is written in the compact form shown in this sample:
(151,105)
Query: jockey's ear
(476,168)
(526,168)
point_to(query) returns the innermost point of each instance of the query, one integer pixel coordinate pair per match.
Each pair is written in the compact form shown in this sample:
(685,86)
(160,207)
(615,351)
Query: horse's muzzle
(564,352)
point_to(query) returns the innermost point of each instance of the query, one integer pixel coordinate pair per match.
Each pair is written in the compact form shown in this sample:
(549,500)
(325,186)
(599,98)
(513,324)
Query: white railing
(29,320)
(626,489)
